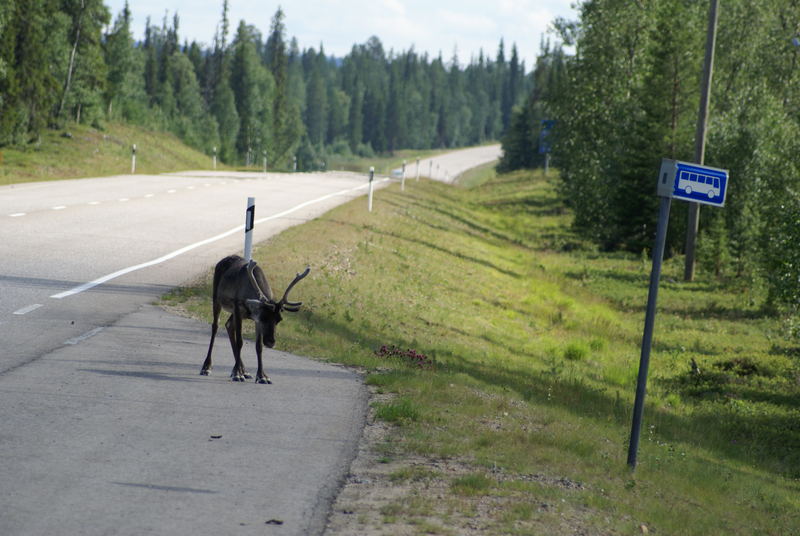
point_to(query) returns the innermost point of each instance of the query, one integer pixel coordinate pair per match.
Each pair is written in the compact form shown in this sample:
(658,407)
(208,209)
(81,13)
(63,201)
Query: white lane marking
(149,195)
(181,251)
(123,199)
(80,338)
(94,202)
(59,207)
(28,309)
(190,188)
(16,215)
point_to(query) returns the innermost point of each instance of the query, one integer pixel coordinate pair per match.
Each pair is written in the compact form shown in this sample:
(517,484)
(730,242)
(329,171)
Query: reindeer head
(265,311)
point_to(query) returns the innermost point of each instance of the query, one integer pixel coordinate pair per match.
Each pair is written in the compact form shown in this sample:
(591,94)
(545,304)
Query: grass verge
(79,151)
(530,340)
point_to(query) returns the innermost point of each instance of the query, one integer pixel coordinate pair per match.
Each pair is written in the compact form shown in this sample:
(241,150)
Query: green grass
(91,152)
(534,341)
(477,175)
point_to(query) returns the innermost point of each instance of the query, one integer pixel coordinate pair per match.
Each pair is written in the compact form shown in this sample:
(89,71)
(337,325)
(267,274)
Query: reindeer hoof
(264,379)
(248,376)
(237,379)
(204,372)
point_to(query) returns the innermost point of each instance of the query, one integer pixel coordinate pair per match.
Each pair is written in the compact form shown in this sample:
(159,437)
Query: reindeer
(241,288)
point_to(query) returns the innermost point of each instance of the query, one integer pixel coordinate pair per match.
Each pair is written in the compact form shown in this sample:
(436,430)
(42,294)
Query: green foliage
(630,98)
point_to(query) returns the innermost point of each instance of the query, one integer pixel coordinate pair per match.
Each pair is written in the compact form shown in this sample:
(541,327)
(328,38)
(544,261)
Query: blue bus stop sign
(544,135)
(693,182)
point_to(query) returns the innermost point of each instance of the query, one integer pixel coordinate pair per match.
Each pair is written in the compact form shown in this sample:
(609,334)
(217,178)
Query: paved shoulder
(116,433)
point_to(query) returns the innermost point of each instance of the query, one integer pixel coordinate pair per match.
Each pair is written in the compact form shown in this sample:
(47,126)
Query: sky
(432,26)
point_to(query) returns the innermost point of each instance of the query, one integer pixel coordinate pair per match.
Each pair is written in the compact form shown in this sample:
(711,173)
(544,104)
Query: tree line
(63,61)
(628,97)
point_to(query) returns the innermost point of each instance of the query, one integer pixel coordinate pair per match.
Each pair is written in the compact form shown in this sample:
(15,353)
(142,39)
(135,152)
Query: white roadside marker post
(369,197)
(249,222)
(133,159)
(214,159)
(403,178)
(265,162)
(417,169)
(430,169)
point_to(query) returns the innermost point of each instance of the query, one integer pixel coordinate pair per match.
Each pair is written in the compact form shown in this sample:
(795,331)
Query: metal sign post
(133,159)
(690,182)
(249,223)
(544,141)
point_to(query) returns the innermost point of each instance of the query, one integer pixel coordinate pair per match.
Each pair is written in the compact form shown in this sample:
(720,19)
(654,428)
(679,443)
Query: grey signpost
(690,182)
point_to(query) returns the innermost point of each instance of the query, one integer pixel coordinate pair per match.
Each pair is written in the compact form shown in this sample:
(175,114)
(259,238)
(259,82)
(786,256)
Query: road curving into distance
(107,426)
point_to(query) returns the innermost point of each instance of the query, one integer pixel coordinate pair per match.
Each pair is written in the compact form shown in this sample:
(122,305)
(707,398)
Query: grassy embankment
(534,339)
(90,152)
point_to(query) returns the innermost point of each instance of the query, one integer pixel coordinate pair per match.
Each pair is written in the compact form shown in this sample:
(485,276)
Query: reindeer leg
(260,376)
(242,372)
(234,327)
(214,326)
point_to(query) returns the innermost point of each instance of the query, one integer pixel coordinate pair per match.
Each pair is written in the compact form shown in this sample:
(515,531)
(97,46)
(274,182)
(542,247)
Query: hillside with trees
(628,97)
(65,61)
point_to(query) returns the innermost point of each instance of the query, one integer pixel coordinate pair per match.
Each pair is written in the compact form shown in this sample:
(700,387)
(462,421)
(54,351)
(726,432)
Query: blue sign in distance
(693,182)
(544,134)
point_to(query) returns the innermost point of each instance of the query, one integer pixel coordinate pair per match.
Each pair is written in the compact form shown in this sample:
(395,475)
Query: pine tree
(29,44)
(286,123)
(253,88)
(85,76)
(316,114)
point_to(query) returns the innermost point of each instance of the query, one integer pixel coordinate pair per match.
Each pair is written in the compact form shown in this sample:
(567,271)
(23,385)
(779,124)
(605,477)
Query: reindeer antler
(292,306)
(250,267)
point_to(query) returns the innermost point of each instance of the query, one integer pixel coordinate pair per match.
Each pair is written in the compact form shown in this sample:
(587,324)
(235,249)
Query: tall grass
(534,339)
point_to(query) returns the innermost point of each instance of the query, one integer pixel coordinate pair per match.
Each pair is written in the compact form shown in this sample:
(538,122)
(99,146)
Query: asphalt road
(106,426)
(447,167)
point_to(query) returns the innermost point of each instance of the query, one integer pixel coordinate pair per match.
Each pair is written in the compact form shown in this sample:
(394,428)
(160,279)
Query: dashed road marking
(59,207)
(80,338)
(17,215)
(28,309)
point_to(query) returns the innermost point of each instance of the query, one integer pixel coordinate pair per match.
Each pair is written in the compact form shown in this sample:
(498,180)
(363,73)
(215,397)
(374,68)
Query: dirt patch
(391,492)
